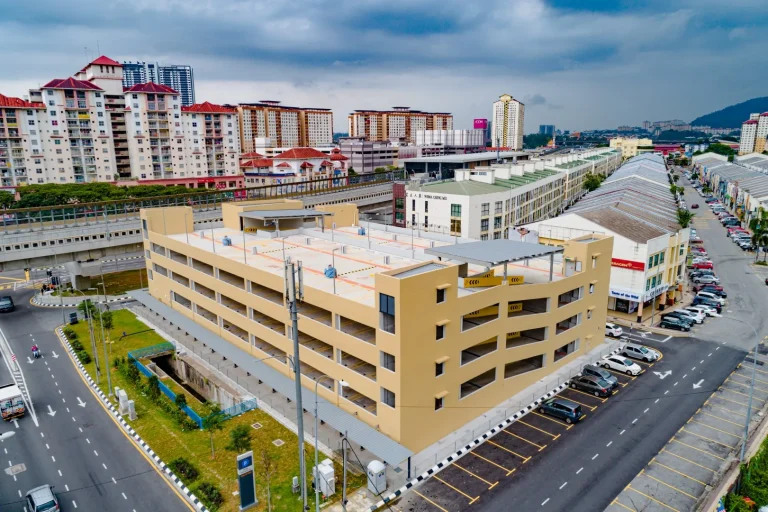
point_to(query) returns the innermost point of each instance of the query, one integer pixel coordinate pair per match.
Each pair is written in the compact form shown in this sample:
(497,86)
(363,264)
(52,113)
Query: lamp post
(317,469)
(104,338)
(88,315)
(333,259)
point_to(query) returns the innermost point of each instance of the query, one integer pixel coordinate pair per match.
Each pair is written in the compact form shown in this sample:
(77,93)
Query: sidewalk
(51,301)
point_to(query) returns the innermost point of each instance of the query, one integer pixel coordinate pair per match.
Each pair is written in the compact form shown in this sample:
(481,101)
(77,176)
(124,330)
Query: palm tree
(759,227)
(684,217)
(706,189)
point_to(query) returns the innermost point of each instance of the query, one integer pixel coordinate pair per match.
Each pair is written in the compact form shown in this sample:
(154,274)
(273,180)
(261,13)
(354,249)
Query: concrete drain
(256,426)
(278,442)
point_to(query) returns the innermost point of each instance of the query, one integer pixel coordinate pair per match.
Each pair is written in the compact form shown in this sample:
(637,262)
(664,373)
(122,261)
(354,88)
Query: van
(568,411)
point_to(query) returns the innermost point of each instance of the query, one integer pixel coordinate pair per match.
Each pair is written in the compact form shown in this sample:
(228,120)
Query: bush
(153,388)
(83,356)
(181,400)
(240,439)
(69,333)
(184,469)
(210,495)
(76,345)
(762,263)
(735,503)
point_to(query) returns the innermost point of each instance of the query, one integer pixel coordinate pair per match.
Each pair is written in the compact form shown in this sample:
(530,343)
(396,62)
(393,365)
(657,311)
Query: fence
(153,350)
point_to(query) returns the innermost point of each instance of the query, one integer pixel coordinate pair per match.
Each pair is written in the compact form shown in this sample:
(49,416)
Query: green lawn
(162,433)
(116,283)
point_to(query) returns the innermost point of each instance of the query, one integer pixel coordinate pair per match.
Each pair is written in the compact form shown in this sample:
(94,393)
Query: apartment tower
(507,123)
(399,123)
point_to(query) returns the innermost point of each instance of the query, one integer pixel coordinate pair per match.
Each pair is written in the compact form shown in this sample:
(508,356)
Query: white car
(700,259)
(712,296)
(620,364)
(613,330)
(693,315)
(702,309)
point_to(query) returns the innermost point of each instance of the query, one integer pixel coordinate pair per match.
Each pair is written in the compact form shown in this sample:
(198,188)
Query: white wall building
(507,123)
(450,137)
(748,135)
(211,140)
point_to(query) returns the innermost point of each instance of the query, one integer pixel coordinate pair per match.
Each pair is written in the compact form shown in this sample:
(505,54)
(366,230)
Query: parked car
(6,304)
(708,302)
(679,315)
(731,222)
(694,318)
(695,206)
(563,409)
(596,371)
(706,280)
(710,200)
(613,330)
(592,385)
(637,351)
(712,289)
(704,310)
(703,264)
(42,499)
(708,295)
(671,322)
(620,364)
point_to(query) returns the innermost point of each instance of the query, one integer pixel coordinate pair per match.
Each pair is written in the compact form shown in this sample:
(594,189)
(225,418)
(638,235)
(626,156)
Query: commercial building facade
(507,123)
(631,147)
(412,340)
(283,126)
(365,156)
(400,123)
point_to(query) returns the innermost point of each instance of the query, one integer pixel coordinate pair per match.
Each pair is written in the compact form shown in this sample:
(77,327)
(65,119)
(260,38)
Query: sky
(578,64)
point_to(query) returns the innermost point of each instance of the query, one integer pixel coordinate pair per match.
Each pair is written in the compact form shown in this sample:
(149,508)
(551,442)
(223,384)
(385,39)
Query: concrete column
(640,311)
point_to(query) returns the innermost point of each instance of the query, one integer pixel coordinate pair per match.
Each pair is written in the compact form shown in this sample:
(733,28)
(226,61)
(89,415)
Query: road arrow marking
(698,384)
(80,402)
(16,422)
(51,412)
(55,355)
(664,375)
(29,360)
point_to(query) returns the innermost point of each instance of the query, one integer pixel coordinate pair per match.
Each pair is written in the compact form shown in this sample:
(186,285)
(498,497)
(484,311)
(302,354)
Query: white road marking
(609,444)
(675,384)
(124,496)
(593,458)
(73,418)
(48,447)
(10,464)
(580,470)
(59,391)
(561,487)
(87,440)
(60,473)
(105,466)
(6,450)
(14,478)
(57,384)
(701,362)
(693,369)
(53,458)
(19,493)
(657,401)
(717,348)
(42,435)
(97,453)
(81,429)
(66,487)
(667,391)
(73,503)
(666,339)
(684,376)
(543,503)
(646,410)
(113,479)
(709,355)
(622,432)
(634,421)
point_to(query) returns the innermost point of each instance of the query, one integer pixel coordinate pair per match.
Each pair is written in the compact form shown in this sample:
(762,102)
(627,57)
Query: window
(438,403)
(484,225)
(497,223)
(650,262)
(387,313)
(589,314)
(594,261)
(456,226)
(647,284)
(485,209)
(399,203)
(498,208)
(591,288)
(439,369)
(661,259)
(484,237)
(388,361)
(655,260)
(440,296)
(455,210)
(439,332)
(387,397)
(413,204)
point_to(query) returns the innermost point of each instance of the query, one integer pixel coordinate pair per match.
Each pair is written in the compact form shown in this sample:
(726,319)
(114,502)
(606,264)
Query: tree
(706,189)
(684,217)
(181,400)
(213,422)
(351,171)
(6,199)
(380,170)
(759,227)
(106,320)
(592,182)
(240,439)
(87,308)
(269,468)
(153,387)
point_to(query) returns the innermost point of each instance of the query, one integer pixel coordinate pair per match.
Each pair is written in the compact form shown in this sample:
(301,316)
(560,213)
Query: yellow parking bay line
(567,427)
(525,459)
(724,409)
(554,436)
(678,472)
(590,407)
(748,379)
(697,449)
(492,485)
(629,487)
(540,447)
(622,374)
(729,400)
(721,419)
(489,461)
(429,500)
(708,439)
(664,450)
(470,498)
(591,396)
(617,502)
(713,428)
(743,394)
(670,486)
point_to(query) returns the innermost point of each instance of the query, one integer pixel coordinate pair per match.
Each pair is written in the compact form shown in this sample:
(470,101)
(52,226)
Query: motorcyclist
(35,351)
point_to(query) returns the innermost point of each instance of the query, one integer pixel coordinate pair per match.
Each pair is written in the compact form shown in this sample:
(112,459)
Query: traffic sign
(477,282)
(513,307)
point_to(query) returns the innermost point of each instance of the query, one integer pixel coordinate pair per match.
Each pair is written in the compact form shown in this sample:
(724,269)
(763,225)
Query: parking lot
(675,478)
(495,463)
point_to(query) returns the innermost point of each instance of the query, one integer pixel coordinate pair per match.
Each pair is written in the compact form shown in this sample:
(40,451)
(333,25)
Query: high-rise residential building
(181,78)
(647,125)
(284,126)
(20,128)
(212,139)
(507,123)
(400,123)
(753,134)
(547,129)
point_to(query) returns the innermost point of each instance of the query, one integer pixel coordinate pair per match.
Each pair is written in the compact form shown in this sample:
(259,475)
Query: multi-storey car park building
(400,123)
(414,341)
(635,207)
(282,126)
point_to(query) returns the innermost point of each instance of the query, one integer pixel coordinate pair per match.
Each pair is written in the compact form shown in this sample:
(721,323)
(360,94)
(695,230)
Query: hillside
(733,116)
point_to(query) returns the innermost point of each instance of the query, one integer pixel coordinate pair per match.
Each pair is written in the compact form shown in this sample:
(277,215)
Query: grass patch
(161,431)
(117,283)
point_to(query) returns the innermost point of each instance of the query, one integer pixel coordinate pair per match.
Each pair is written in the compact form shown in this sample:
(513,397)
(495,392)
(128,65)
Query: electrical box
(326,479)
(377,477)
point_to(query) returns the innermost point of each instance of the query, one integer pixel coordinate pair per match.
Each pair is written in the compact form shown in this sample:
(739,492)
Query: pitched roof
(251,155)
(105,61)
(259,162)
(336,155)
(751,121)
(301,154)
(209,108)
(283,165)
(326,163)
(305,165)
(71,83)
(11,102)
(151,88)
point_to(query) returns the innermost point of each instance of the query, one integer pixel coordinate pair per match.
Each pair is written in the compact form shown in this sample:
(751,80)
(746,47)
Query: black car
(712,289)
(6,304)
(592,385)
(707,302)
(679,316)
(671,322)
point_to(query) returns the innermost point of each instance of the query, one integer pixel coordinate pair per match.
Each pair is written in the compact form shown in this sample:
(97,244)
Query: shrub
(76,345)
(181,400)
(184,469)
(762,263)
(69,333)
(153,388)
(240,439)
(210,495)
(735,503)
(132,374)
(83,356)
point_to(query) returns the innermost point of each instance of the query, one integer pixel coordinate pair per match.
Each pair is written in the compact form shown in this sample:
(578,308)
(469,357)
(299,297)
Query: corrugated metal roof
(490,253)
(418,270)
(376,442)
(283,214)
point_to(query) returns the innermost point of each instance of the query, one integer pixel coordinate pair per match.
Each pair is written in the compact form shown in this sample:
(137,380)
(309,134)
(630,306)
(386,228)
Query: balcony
(522,366)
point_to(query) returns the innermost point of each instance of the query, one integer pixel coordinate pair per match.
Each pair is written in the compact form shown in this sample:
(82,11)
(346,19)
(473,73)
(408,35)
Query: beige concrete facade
(629,146)
(422,353)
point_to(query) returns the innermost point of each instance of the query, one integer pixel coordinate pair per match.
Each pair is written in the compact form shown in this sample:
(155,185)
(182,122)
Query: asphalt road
(77,448)
(744,282)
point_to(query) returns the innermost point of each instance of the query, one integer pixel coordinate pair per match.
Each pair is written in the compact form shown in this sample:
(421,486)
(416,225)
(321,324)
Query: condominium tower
(399,123)
(278,125)
(753,134)
(507,123)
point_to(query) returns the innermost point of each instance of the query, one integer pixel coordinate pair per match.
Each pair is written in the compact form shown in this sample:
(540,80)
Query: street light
(90,331)
(333,259)
(317,469)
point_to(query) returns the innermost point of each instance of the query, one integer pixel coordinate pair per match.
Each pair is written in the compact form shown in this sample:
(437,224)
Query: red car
(694,206)
(703,264)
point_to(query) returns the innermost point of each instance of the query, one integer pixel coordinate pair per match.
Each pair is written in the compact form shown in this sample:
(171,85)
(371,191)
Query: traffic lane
(55,382)
(618,439)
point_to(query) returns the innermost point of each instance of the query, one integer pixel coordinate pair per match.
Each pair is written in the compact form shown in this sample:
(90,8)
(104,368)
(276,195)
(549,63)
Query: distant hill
(733,116)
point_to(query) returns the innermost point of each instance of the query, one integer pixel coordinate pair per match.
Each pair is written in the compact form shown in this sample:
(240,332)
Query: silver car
(636,351)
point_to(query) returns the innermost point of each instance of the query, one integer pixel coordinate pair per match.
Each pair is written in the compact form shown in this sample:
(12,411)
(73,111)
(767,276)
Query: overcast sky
(578,64)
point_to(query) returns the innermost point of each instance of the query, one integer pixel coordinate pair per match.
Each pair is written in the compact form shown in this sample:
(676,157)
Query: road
(744,282)
(77,448)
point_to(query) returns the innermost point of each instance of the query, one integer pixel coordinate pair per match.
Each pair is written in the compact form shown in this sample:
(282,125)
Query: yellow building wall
(344,214)
(230,212)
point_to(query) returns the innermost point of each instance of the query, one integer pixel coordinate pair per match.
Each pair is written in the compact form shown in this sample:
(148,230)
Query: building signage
(628,264)
(475,282)
(481,124)
(429,196)
(624,294)
(512,307)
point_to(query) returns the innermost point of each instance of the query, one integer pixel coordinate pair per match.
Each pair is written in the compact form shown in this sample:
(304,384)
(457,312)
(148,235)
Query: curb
(102,261)
(191,498)
(36,302)
(478,441)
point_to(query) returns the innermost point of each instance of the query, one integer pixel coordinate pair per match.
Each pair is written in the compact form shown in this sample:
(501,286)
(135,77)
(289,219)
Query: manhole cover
(278,442)
(256,426)
(398,469)
(15,470)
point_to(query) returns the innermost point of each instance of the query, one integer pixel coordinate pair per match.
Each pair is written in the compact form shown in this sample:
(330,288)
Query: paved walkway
(51,301)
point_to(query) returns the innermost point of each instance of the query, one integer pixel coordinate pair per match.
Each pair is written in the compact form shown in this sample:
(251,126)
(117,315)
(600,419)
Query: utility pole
(293,295)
